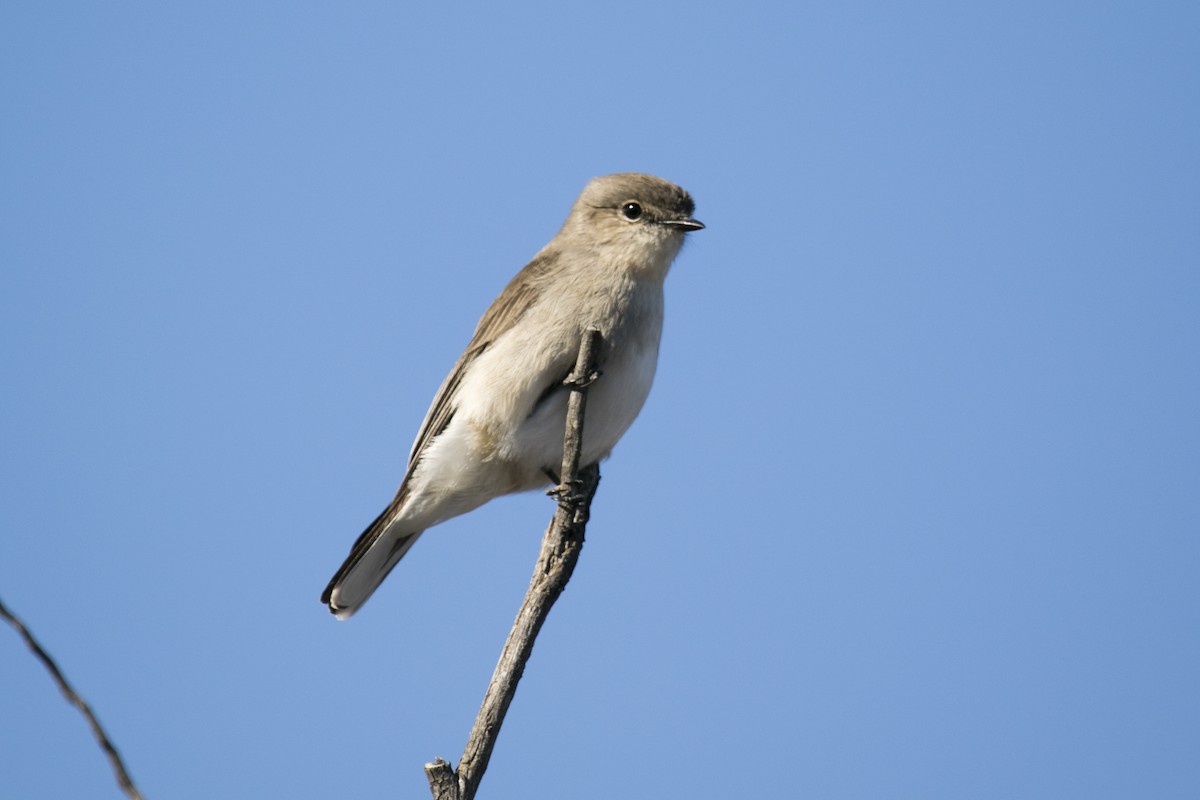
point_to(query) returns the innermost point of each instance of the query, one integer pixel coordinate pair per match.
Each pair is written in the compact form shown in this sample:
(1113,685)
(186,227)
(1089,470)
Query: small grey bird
(496,424)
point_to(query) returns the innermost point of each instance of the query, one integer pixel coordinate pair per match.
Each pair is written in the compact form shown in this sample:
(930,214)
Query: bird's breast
(513,397)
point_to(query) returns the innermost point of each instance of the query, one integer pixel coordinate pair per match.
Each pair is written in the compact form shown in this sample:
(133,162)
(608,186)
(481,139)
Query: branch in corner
(110,750)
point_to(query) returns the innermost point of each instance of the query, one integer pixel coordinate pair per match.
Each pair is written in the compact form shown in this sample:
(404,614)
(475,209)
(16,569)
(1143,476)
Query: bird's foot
(570,493)
(574,381)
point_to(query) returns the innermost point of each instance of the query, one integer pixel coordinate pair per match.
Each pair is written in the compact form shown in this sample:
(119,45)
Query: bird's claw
(569,493)
(574,381)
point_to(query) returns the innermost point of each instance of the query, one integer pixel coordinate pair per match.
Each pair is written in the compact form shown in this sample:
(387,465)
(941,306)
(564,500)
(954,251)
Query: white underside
(473,461)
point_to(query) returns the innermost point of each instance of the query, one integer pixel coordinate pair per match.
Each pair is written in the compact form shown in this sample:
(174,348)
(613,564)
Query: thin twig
(560,551)
(114,758)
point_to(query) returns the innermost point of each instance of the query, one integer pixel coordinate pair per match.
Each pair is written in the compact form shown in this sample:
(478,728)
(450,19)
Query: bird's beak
(685,224)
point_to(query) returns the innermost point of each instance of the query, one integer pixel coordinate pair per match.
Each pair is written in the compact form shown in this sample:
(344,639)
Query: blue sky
(912,509)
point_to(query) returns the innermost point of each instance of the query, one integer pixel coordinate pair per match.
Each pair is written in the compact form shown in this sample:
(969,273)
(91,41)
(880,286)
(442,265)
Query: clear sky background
(912,511)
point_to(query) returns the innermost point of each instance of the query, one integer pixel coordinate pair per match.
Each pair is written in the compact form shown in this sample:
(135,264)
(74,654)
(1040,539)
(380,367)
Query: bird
(496,424)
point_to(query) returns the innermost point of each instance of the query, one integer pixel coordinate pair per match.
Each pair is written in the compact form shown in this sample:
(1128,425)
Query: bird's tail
(380,548)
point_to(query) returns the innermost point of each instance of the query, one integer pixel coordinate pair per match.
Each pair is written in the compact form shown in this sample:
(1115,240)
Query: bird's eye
(631,211)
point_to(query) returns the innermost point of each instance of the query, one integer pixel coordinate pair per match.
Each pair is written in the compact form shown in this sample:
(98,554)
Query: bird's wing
(520,294)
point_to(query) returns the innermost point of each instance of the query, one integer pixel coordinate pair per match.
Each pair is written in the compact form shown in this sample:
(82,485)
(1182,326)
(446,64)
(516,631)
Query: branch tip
(560,551)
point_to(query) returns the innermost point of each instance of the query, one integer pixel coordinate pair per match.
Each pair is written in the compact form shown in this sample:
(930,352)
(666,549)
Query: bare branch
(114,758)
(560,551)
